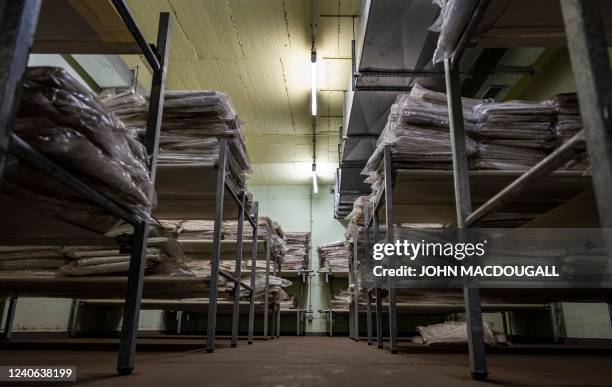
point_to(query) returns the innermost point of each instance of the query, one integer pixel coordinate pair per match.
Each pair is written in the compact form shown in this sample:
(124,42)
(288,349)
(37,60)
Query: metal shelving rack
(17,31)
(587,45)
(17,36)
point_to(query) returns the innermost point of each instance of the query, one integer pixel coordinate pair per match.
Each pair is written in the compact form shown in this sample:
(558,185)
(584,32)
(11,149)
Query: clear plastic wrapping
(296,255)
(65,122)
(453,332)
(193,122)
(334,256)
(454,16)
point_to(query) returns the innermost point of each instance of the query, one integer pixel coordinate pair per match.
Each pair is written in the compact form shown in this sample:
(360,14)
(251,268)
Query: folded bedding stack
(298,247)
(568,119)
(31,260)
(334,256)
(417,132)
(164,257)
(515,134)
(66,123)
(275,285)
(193,123)
(341,300)
(512,135)
(196,229)
(357,216)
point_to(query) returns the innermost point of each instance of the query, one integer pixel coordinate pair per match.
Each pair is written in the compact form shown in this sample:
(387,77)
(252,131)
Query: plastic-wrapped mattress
(66,123)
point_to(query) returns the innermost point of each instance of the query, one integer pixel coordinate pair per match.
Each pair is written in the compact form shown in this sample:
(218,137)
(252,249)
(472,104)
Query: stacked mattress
(164,257)
(66,123)
(298,247)
(193,122)
(334,256)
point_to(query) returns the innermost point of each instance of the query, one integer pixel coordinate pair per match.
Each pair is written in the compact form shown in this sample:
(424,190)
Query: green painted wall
(293,208)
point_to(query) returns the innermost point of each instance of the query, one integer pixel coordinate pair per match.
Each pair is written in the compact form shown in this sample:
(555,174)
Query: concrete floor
(317,361)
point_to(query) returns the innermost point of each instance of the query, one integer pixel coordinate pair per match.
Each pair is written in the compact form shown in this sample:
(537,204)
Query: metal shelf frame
(588,52)
(17,30)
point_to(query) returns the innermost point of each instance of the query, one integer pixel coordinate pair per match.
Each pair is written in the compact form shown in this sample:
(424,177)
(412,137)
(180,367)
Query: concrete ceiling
(259,53)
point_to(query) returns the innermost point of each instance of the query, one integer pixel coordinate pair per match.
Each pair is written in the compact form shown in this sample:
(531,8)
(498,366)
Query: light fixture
(313,74)
(315,185)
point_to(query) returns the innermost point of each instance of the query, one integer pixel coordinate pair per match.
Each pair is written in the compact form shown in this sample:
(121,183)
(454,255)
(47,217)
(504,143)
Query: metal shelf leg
(17,28)
(10,317)
(74,317)
(471,293)
(369,317)
(211,326)
(131,310)
(266,289)
(390,237)
(237,274)
(253,273)
(379,319)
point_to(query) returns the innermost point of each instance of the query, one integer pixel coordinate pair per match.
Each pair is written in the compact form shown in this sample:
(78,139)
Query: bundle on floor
(65,122)
(193,122)
(298,247)
(334,256)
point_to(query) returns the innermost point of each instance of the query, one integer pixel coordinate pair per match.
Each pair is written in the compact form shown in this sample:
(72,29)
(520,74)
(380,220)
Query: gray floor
(316,361)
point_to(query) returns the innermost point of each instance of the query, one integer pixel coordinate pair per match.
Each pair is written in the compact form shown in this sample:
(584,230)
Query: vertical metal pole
(351,317)
(131,310)
(74,317)
(278,320)
(267,282)
(331,322)
(356,280)
(17,28)
(369,316)
(379,319)
(253,272)
(179,321)
(351,325)
(273,323)
(366,248)
(378,291)
(237,273)
(390,237)
(554,323)
(211,327)
(471,294)
(276,310)
(589,56)
(10,317)
(297,330)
